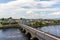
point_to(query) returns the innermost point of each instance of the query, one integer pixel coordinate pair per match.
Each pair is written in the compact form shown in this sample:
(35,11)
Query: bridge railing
(39,33)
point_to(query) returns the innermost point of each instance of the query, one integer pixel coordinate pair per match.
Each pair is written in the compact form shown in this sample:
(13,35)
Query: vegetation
(22,18)
(2,18)
(38,24)
(10,18)
(0,25)
(41,24)
(14,23)
(57,21)
(4,23)
(7,23)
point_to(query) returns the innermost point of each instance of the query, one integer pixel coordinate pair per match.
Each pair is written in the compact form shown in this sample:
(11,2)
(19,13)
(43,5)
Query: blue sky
(5,1)
(30,9)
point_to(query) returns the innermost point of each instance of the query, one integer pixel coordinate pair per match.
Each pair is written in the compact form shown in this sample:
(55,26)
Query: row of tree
(41,24)
(7,23)
(38,24)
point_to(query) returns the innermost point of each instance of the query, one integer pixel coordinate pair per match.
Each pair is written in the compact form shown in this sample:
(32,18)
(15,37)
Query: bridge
(32,33)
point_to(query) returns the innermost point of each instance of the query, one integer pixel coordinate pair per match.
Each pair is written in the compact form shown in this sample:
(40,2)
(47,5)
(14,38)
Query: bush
(14,22)
(4,23)
(7,23)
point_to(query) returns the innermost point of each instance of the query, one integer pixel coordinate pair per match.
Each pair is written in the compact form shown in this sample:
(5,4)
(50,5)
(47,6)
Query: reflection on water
(55,30)
(11,34)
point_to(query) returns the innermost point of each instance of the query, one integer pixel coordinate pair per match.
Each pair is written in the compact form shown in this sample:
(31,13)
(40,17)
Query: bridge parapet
(39,34)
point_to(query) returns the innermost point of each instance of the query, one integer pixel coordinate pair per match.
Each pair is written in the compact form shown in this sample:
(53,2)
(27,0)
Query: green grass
(0,25)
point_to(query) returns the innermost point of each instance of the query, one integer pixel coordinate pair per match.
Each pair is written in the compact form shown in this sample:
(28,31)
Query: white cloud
(55,13)
(52,15)
(15,9)
(46,4)
(30,11)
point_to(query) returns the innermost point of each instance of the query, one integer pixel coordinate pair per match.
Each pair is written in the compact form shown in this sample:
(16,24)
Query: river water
(12,34)
(54,30)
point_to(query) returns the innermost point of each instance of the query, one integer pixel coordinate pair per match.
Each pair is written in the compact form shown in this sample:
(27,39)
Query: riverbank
(42,24)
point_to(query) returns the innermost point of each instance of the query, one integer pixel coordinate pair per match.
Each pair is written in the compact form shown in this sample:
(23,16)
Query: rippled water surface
(55,30)
(12,34)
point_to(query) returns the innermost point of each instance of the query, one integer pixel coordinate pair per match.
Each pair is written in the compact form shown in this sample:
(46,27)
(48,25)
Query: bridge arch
(28,35)
(24,31)
(35,38)
(21,29)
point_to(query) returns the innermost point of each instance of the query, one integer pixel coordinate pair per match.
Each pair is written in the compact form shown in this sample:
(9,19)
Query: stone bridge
(32,33)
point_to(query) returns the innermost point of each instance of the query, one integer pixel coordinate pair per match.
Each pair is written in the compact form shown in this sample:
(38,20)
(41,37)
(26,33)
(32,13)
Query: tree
(2,18)
(10,18)
(22,18)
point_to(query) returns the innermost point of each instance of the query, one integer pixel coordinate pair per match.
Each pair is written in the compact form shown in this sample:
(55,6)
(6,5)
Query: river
(54,30)
(12,34)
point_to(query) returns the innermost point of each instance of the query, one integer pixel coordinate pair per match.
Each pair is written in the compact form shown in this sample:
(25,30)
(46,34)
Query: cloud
(41,0)
(45,0)
(47,4)
(55,14)
(29,9)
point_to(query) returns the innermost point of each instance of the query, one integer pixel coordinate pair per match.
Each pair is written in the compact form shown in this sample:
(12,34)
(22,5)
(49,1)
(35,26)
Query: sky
(30,9)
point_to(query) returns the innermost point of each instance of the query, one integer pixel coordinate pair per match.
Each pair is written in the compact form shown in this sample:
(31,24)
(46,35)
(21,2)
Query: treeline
(41,24)
(57,21)
(7,23)
(38,24)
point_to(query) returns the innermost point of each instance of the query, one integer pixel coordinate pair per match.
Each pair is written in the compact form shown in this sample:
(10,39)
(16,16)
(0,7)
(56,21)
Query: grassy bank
(1,25)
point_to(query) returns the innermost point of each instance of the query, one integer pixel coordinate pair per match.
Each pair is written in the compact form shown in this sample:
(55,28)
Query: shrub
(4,23)
(14,22)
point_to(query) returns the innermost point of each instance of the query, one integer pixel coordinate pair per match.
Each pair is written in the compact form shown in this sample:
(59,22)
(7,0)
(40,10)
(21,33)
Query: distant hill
(54,19)
(57,19)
